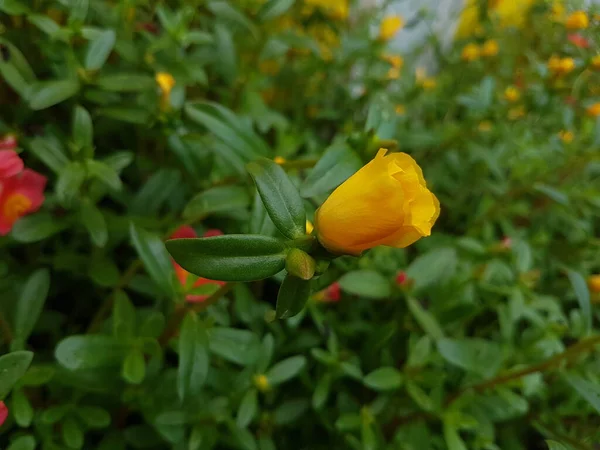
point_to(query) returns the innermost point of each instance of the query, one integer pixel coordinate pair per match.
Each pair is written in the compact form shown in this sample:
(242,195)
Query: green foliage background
(490,344)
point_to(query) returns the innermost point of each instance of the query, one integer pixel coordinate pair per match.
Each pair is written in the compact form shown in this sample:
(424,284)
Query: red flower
(3,413)
(578,40)
(10,163)
(401,278)
(8,142)
(331,293)
(182,275)
(20,195)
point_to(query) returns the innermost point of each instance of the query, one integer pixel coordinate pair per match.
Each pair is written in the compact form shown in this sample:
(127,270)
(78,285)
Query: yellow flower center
(261,382)
(15,206)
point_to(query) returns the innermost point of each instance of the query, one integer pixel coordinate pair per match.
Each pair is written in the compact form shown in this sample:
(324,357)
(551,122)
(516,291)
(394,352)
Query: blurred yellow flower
(400,110)
(485,126)
(385,203)
(427,83)
(470,52)
(279,160)
(595,62)
(335,9)
(490,48)
(309,227)
(594,283)
(516,113)
(557,12)
(397,62)
(593,110)
(512,94)
(578,20)
(561,66)
(389,27)
(165,82)
(509,13)
(261,382)
(566,136)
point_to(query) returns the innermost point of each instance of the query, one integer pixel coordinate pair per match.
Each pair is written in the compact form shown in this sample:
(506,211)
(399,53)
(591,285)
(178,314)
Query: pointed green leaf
(586,389)
(48,93)
(151,251)
(99,49)
(31,302)
(12,367)
(384,379)
(230,257)
(285,370)
(193,358)
(293,295)
(583,298)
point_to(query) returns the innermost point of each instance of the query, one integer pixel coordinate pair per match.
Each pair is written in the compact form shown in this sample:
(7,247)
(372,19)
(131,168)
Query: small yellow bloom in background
(309,227)
(595,62)
(578,20)
(594,283)
(385,203)
(427,83)
(396,62)
(485,126)
(490,48)
(561,66)
(516,113)
(593,110)
(567,65)
(566,136)
(165,82)
(512,94)
(400,110)
(279,160)
(261,382)
(470,52)
(557,12)
(390,25)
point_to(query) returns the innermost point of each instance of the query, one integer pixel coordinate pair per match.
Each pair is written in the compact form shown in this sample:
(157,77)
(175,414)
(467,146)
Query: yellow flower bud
(577,21)
(385,203)
(279,160)
(470,52)
(566,136)
(490,48)
(309,227)
(595,62)
(261,382)
(390,26)
(512,94)
(165,82)
(594,283)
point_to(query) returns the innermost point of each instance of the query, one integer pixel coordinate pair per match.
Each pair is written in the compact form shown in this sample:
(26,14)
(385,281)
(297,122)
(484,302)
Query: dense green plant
(144,116)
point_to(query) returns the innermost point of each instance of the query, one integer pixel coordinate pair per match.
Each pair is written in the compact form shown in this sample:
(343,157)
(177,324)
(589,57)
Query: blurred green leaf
(155,192)
(45,24)
(134,367)
(285,370)
(433,268)
(227,54)
(83,129)
(237,346)
(230,257)
(93,416)
(31,303)
(72,433)
(14,7)
(36,227)
(193,358)
(23,442)
(553,445)
(125,82)
(90,351)
(583,298)
(589,391)
(104,173)
(247,409)
(123,319)
(45,94)
(93,221)
(12,367)
(21,409)
(280,197)
(384,379)
(472,354)
(217,200)
(274,8)
(70,179)
(153,254)
(99,49)
(366,283)
(224,10)
(49,153)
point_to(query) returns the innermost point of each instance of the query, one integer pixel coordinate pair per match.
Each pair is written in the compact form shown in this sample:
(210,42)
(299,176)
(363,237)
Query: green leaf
(93,416)
(104,173)
(103,270)
(237,346)
(290,411)
(139,116)
(13,7)
(274,8)
(45,24)
(472,354)
(553,445)
(293,295)
(589,391)
(99,49)
(89,352)
(36,227)
(49,93)
(366,283)
(244,438)
(49,152)
(247,409)
(151,251)
(83,129)
(31,302)
(134,367)
(224,10)
(79,10)
(70,179)
(280,197)
(384,379)
(336,165)
(125,82)
(226,62)
(21,409)
(321,392)
(433,268)
(260,222)
(156,191)
(72,433)
(12,367)
(26,442)
(93,220)
(16,71)
(425,319)
(553,193)
(230,257)
(217,200)
(453,439)
(193,358)
(583,298)
(285,370)
(123,319)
